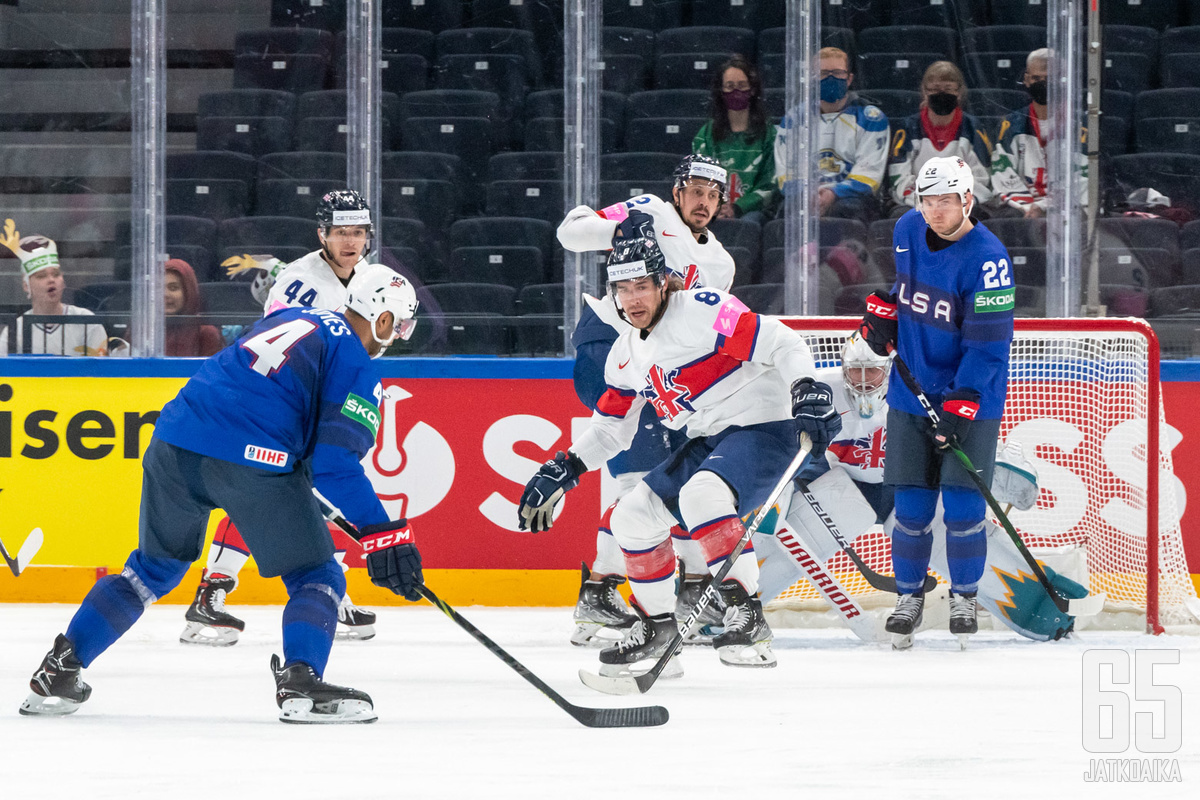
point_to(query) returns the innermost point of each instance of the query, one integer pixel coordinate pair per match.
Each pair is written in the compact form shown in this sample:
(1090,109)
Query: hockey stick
(1077,607)
(640,684)
(641,717)
(29,549)
(884,583)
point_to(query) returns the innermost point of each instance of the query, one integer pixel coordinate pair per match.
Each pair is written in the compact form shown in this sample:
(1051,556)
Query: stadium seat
(656,15)
(433,202)
(1028,265)
(292,198)
(511,266)
(687,70)
(469,138)
(427,166)
(494,41)
(772,70)
(546,133)
(266,234)
(504,75)
(1173,174)
(1175,300)
(1157,14)
(620,190)
(832,231)
(997,102)
(332,103)
(427,15)
(541,19)
(1180,40)
(457,103)
(851,300)
(1019,12)
(771,40)
(402,73)
(1191,266)
(996,70)
(412,41)
(892,70)
(329,16)
(1131,39)
(706,39)
(910,39)
(1146,268)
(1138,232)
(853,14)
(225,297)
(1180,134)
(995,38)
(328,134)
(1127,72)
(303,166)
(761,298)
(670,134)
(284,41)
(754,14)
(624,74)
(534,199)
(638,165)
(772,234)
(479,308)
(254,136)
(1030,301)
(406,237)
(616,41)
(1189,236)
(1114,135)
(1119,103)
(1180,70)
(1019,232)
(505,231)
(879,233)
(667,103)
(92,295)
(939,13)
(546,165)
(896,104)
(542,304)
(215,198)
(216,165)
(289,73)
(549,103)
(246,103)
(743,236)
(1124,301)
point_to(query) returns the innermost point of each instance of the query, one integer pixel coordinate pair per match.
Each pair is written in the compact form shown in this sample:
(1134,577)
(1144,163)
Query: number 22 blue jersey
(299,385)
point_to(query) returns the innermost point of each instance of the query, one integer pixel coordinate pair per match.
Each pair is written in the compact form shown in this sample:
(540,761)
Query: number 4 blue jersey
(955,309)
(298,386)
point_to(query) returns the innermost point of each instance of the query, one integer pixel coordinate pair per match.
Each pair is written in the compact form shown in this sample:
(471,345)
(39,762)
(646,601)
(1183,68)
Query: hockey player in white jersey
(742,385)
(322,279)
(693,254)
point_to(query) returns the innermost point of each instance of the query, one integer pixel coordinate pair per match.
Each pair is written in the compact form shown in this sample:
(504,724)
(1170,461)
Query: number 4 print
(271,347)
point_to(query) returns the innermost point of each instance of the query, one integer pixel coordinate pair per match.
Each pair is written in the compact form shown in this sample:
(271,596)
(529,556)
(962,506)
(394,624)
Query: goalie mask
(865,376)
(376,289)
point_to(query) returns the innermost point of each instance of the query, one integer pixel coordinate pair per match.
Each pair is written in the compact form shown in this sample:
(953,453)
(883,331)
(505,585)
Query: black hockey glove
(545,489)
(879,323)
(638,225)
(958,410)
(812,406)
(393,560)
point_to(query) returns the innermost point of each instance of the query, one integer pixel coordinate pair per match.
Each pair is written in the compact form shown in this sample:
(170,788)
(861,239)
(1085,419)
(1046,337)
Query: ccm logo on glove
(961,408)
(385,539)
(881,309)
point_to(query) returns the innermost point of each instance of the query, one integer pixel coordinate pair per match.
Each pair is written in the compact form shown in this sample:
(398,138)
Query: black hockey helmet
(705,168)
(343,207)
(637,257)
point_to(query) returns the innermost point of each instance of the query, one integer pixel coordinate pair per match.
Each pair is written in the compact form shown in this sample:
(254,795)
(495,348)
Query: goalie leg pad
(912,537)
(841,505)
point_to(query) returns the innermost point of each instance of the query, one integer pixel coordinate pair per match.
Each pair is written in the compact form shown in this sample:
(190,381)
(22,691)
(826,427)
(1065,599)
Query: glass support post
(364,135)
(801,281)
(148,56)
(1065,173)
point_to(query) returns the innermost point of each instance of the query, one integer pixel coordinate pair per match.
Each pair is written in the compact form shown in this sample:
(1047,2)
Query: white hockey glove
(1015,478)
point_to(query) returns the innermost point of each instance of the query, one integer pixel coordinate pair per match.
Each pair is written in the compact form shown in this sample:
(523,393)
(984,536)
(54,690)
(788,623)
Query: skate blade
(299,711)
(756,655)
(620,680)
(902,641)
(674,669)
(354,633)
(596,634)
(962,640)
(199,633)
(37,706)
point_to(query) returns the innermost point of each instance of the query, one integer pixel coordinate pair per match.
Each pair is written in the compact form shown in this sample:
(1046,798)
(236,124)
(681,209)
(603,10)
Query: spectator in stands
(1019,156)
(42,279)
(853,145)
(939,129)
(739,137)
(185,336)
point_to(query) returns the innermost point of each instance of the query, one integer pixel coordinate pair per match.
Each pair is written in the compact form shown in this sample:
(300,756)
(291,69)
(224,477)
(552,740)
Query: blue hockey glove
(812,406)
(553,479)
(638,225)
(879,325)
(958,411)
(393,560)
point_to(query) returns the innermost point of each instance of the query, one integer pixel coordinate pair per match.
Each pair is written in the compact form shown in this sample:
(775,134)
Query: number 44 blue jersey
(955,308)
(298,386)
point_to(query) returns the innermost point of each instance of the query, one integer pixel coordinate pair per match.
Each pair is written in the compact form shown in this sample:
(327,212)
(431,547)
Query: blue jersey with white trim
(955,308)
(298,385)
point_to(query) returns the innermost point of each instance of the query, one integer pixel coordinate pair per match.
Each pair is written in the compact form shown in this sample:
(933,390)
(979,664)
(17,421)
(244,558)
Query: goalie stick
(641,717)
(29,549)
(1077,607)
(640,684)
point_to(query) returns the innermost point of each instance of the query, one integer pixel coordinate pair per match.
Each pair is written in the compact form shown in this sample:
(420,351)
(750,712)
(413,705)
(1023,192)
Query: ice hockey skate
(711,619)
(601,616)
(207,620)
(354,622)
(645,642)
(905,620)
(57,687)
(746,640)
(305,699)
(962,617)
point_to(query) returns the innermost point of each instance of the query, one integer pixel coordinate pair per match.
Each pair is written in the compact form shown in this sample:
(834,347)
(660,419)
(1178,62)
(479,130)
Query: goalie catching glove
(812,407)
(545,489)
(393,560)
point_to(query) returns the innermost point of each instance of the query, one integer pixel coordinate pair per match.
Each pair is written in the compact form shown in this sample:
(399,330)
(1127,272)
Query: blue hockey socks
(310,616)
(966,537)
(912,537)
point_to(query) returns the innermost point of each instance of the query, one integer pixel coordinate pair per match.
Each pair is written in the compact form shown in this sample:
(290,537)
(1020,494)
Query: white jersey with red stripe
(709,364)
(698,262)
(859,447)
(309,282)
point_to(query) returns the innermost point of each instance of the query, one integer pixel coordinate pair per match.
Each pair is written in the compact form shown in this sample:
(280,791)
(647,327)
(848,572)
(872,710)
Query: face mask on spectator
(943,103)
(737,100)
(833,89)
(1037,92)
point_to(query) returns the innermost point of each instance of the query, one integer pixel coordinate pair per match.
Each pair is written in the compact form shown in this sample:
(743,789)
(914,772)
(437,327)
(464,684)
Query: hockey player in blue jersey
(306,375)
(950,318)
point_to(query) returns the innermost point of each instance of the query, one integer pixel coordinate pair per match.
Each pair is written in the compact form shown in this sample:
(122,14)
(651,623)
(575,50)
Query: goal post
(1085,403)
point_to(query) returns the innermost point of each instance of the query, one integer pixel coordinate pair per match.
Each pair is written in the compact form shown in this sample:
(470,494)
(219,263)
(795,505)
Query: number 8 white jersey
(309,282)
(709,364)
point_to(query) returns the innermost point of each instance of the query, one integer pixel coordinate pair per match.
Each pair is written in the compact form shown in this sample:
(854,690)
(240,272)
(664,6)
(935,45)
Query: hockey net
(1078,397)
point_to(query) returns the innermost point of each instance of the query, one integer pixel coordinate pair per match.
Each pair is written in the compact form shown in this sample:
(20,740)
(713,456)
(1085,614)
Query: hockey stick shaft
(642,717)
(1063,604)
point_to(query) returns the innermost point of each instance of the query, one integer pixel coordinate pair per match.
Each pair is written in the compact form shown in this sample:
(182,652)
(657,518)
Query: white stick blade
(29,549)
(606,685)
(1088,606)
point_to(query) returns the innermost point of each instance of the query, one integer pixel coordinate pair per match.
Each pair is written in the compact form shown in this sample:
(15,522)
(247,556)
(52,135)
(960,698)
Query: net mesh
(1077,403)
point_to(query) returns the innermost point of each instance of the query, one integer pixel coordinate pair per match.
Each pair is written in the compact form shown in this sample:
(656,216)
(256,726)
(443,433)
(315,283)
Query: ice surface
(837,719)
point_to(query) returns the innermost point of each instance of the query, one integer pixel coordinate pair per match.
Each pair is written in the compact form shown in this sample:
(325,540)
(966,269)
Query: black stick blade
(641,717)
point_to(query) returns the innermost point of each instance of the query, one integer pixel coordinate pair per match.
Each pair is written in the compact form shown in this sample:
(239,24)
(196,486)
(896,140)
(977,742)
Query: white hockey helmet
(865,376)
(376,289)
(947,175)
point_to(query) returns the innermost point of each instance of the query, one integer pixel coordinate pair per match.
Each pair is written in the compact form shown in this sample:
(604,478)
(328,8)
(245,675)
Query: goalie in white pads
(743,386)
